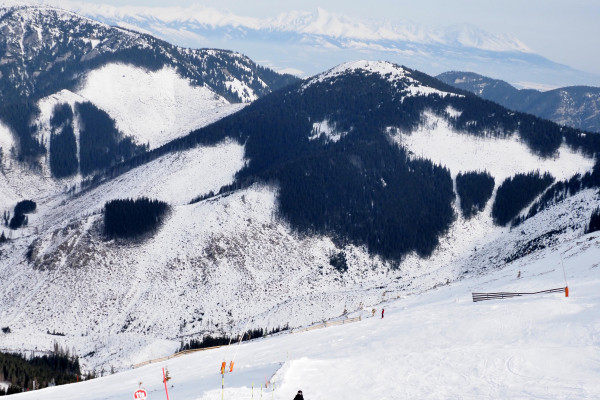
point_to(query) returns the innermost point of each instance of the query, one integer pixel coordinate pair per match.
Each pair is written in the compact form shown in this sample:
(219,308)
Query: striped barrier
(505,295)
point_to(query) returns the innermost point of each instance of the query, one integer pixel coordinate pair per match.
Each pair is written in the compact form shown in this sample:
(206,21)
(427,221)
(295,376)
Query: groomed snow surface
(437,345)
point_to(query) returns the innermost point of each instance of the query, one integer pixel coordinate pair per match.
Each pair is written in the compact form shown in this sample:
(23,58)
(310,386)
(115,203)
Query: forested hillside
(49,49)
(326,144)
(575,106)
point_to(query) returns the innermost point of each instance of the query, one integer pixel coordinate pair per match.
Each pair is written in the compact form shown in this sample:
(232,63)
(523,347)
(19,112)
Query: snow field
(154,107)
(437,141)
(434,345)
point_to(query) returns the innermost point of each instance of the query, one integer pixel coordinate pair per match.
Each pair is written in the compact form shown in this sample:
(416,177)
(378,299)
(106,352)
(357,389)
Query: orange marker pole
(223,365)
(566,291)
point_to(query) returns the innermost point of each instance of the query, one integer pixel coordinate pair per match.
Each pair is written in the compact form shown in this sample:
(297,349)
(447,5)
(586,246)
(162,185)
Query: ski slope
(433,345)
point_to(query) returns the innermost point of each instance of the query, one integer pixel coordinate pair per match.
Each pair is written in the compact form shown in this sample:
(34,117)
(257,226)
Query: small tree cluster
(20,372)
(211,341)
(474,190)
(594,224)
(129,218)
(516,192)
(339,262)
(19,218)
(63,144)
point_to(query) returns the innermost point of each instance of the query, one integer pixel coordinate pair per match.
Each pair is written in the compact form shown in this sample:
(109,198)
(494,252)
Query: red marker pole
(165,381)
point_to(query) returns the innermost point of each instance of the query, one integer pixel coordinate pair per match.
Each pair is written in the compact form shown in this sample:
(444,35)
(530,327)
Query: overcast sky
(565,31)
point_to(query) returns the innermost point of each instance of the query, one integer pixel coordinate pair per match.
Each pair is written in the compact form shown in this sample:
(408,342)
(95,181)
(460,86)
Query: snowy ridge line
(504,295)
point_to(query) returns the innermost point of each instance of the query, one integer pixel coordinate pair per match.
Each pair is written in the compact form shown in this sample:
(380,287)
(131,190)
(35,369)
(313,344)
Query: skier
(382,310)
(299,396)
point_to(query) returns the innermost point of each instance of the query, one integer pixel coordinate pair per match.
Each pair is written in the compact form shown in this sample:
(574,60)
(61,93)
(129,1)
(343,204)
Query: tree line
(59,367)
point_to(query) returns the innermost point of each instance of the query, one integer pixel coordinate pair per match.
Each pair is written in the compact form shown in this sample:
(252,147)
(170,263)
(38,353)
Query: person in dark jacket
(299,396)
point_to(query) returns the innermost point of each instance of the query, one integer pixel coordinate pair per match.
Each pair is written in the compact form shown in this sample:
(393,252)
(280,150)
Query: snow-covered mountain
(309,42)
(45,49)
(358,151)
(576,106)
(153,91)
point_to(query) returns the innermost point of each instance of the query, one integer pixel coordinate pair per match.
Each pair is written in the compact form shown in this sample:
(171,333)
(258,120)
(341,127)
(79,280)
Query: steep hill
(333,194)
(44,50)
(575,106)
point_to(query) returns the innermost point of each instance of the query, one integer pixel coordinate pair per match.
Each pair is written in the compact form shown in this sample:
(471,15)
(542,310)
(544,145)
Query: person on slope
(382,310)
(299,396)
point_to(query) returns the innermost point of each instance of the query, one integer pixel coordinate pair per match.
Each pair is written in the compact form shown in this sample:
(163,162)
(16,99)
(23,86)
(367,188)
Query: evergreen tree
(594,224)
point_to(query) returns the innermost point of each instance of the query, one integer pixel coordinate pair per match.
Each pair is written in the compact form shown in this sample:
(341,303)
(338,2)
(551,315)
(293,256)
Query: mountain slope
(347,149)
(540,346)
(576,106)
(155,91)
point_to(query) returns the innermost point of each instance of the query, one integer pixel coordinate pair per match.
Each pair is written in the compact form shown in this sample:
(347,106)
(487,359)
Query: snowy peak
(386,69)
(401,77)
(319,22)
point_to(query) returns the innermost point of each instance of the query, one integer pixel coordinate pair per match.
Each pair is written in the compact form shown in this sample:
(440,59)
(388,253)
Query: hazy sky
(565,31)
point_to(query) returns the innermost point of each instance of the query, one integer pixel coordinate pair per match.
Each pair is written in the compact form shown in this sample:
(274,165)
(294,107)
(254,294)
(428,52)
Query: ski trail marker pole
(165,381)
(565,275)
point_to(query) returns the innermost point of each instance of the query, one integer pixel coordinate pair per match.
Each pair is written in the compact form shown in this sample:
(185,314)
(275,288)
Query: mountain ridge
(281,40)
(576,106)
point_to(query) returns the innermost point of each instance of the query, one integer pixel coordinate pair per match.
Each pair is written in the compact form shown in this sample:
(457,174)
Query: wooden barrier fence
(310,328)
(504,295)
(328,323)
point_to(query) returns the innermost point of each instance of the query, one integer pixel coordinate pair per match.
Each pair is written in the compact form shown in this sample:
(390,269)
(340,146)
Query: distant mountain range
(576,106)
(309,42)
